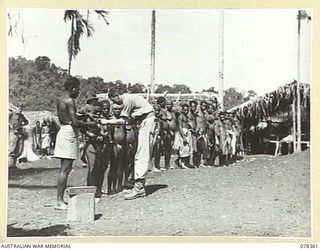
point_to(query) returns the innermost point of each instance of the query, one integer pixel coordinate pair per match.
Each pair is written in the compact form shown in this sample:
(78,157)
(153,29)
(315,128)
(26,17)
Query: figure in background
(157,149)
(202,153)
(53,130)
(45,140)
(28,146)
(192,121)
(183,139)
(212,145)
(16,122)
(37,136)
(172,122)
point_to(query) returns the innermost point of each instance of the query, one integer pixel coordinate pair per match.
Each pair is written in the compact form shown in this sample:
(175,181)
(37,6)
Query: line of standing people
(131,136)
(197,132)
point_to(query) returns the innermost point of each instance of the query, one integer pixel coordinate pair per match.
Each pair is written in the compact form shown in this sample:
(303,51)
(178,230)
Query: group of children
(107,146)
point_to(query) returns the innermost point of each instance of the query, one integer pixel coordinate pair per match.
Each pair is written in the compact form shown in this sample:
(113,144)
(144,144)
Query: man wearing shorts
(66,147)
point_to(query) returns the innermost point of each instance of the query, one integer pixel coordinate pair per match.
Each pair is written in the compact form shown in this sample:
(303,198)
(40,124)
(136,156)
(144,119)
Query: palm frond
(104,14)
(68,14)
(89,27)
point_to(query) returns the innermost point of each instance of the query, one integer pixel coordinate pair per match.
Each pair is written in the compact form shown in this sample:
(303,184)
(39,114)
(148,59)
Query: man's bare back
(65,105)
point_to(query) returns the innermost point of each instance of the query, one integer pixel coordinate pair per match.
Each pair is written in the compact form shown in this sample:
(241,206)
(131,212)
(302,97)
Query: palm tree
(79,25)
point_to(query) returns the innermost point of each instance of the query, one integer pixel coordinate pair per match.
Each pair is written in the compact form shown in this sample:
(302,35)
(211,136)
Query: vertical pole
(153,48)
(294,123)
(221,60)
(298,87)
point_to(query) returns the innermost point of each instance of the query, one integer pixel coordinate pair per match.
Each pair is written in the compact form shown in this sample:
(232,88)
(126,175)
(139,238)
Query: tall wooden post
(294,123)
(298,86)
(153,49)
(221,60)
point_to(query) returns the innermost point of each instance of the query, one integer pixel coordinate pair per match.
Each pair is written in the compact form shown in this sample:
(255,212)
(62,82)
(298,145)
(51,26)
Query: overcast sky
(260,46)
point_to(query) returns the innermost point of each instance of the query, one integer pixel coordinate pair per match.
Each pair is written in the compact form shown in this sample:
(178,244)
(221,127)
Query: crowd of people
(27,142)
(129,135)
(44,134)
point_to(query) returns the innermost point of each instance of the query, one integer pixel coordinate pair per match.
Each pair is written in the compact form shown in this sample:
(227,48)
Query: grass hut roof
(275,102)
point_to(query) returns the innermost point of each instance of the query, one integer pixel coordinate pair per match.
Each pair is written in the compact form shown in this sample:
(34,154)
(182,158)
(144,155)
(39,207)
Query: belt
(141,118)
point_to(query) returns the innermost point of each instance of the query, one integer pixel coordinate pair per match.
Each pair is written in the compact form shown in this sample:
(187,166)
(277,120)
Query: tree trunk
(298,87)
(71,49)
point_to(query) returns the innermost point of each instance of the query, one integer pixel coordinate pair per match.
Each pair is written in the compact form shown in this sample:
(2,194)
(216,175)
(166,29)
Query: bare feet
(61,206)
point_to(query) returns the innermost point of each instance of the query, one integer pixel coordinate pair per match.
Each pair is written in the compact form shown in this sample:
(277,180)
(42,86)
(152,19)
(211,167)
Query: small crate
(81,205)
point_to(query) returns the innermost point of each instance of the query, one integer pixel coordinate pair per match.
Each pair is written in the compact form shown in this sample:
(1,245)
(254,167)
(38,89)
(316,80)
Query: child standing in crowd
(37,136)
(45,139)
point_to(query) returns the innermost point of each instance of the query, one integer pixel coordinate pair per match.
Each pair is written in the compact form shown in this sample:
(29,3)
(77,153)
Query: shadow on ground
(32,187)
(150,189)
(56,230)
(16,173)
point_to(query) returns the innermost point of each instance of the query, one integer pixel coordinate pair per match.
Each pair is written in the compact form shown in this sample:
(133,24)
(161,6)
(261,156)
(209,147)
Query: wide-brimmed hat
(91,97)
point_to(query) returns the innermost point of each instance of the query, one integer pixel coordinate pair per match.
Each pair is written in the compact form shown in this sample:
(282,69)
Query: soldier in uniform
(141,112)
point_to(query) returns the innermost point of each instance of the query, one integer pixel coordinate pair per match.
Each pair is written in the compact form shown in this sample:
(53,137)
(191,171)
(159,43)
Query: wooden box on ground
(81,205)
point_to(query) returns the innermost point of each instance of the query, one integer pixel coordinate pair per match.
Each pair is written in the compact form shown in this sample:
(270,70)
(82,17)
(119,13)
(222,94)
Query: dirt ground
(261,195)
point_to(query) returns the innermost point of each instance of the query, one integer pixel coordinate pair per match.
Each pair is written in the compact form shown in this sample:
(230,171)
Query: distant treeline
(36,85)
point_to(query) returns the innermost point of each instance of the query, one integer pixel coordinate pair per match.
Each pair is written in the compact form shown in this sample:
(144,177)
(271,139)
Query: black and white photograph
(159,122)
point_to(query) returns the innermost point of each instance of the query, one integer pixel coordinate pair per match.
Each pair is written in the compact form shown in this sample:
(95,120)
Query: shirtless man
(66,147)
(167,134)
(158,138)
(172,122)
(141,112)
(183,139)
(222,132)
(192,120)
(202,136)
